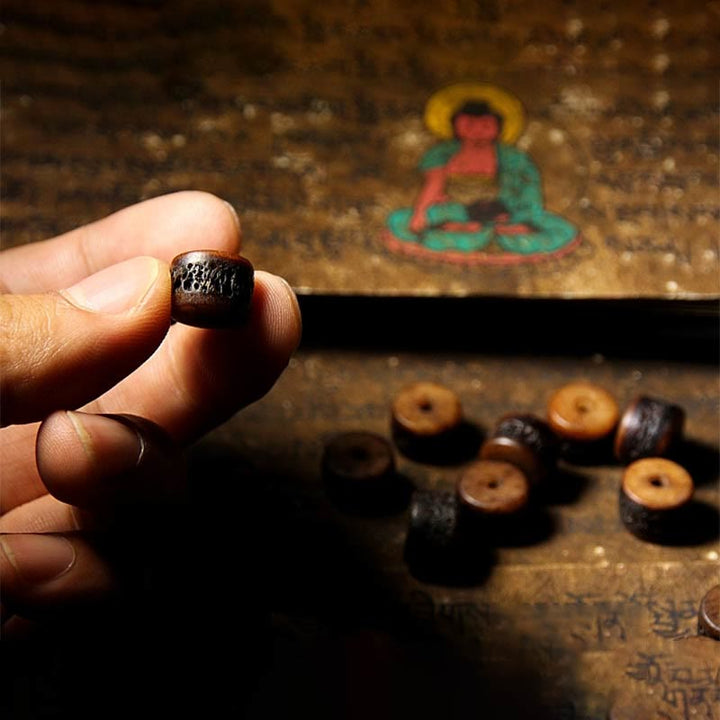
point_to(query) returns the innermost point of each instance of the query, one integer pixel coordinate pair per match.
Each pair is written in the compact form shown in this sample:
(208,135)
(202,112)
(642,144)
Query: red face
(477,127)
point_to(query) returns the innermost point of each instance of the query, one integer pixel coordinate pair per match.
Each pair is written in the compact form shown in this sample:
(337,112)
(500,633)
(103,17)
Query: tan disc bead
(653,494)
(426,409)
(427,422)
(583,412)
(489,487)
(657,484)
(709,614)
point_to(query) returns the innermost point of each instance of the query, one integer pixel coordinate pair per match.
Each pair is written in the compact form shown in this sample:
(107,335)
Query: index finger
(162,227)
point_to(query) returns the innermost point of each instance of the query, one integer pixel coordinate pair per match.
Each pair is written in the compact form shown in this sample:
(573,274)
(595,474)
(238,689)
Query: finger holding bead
(63,349)
(199,377)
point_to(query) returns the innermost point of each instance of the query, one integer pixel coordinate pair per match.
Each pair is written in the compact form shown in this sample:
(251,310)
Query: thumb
(62,349)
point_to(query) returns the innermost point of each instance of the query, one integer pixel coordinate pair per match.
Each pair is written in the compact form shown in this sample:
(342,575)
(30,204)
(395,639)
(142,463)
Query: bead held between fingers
(211,289)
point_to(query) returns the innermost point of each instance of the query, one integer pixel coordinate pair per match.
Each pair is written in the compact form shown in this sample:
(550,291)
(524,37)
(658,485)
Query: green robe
(519,189)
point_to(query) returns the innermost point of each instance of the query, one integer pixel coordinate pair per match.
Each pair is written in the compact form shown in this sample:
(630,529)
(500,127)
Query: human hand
(105,346)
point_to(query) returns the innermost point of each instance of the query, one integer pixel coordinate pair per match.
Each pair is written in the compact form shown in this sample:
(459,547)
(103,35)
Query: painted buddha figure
(480,192)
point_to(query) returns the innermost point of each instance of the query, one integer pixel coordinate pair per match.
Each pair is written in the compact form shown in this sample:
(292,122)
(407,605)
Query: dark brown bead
(439,547)
(359,472)
(211,289)
(649,427)
(654,495)
(709,614)
(427,421)
(583,412)
(524,441)
(434,520)
(489,487)
(493,498)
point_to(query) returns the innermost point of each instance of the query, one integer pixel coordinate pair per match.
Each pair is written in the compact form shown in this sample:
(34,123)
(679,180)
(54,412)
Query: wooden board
(311,119)
(562,627)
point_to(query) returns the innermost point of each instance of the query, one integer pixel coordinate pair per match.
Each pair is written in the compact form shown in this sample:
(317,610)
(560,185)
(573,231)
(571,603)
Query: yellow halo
(446,102)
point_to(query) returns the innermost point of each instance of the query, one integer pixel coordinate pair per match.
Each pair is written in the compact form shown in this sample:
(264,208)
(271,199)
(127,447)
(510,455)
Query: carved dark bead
(525,441)
(440,547)
(211,289)
(709,614)
(650,427)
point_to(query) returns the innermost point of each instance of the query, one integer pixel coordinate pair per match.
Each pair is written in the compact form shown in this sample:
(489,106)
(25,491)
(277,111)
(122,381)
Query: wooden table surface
(571,617)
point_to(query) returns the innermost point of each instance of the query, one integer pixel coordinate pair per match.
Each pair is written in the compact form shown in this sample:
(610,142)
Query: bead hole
(583,405)
(493,485)
(359,454)
(425,405)
(658,481)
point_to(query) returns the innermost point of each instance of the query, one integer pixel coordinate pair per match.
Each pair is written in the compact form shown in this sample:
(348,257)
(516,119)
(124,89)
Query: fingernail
(117,442)
(235,216)
(117,288)
(38,558)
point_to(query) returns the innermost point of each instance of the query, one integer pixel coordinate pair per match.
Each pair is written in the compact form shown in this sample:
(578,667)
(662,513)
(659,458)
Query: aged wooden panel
(562,626)
(310,119)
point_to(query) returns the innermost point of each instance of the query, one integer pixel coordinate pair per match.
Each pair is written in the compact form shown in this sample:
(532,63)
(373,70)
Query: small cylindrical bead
(439,547)
(493,500)
(211,289)
(654,495)
(359,471)
(649,427)
(709,614)
(526,441)
(582,411)
(427,421)
(493,488)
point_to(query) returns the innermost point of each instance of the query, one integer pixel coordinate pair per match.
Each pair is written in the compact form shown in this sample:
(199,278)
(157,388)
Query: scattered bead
(427,422)
(439,547)
(583,412)
(524,441)
(653,497)
(649,427)
(493,488)
(359,472)
(709,614)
